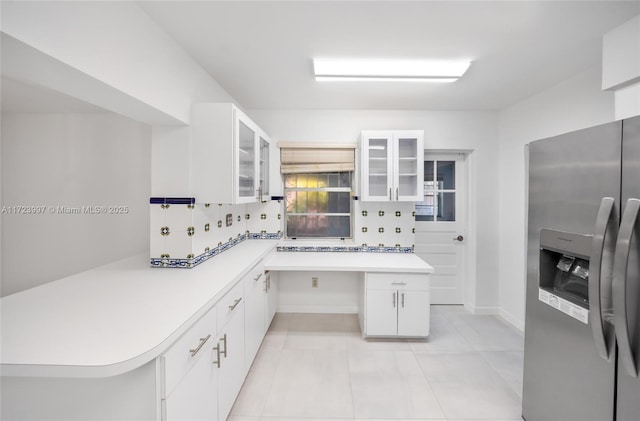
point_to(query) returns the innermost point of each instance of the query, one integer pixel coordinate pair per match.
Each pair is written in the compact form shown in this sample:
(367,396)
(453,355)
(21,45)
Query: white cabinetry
(392,165)
(254,312)
(263,167)
(189,385)
(261,302)
(395,305)
(225,142)
(231,342)
(271,302)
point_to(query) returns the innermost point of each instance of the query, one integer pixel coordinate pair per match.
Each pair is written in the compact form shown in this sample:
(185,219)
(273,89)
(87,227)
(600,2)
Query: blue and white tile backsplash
(185,234)
(384,224)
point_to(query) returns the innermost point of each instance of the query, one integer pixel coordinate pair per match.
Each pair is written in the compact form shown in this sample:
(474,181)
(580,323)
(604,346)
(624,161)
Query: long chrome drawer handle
(398,283)
(224,350)
(258,277)
(235,303)
(217,349)
(202,342)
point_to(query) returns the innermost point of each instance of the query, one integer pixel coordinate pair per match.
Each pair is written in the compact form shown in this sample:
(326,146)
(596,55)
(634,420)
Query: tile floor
(317,367)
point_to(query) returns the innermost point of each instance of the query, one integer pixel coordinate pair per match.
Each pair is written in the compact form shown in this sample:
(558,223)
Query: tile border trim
(160,262)
(172,200)
(345,249)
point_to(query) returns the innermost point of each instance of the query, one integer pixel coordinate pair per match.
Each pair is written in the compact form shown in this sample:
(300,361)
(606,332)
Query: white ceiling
(261,52)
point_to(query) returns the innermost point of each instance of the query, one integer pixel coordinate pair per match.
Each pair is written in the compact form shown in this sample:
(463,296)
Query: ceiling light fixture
(389,70)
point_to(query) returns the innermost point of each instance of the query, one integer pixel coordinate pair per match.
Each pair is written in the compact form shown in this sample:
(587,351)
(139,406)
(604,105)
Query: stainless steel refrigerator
(582,326)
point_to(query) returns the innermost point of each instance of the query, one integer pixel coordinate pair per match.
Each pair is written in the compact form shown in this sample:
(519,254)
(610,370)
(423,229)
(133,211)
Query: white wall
(117,45)
(621,67)
(573,104)
(337,292)
(444,130)
(71,160)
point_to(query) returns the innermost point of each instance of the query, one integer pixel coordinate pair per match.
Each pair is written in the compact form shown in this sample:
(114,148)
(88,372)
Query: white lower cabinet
(271,301)
(196,396)
(413,313)
(197,378)
(230,337)
(395,305)
(189,381)
(254,312)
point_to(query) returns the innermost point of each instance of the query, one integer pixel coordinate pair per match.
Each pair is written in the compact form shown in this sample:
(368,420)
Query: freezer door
(628,284)
(565,377)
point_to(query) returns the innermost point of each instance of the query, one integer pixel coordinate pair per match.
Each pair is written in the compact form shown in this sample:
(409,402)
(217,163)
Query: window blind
(309,158)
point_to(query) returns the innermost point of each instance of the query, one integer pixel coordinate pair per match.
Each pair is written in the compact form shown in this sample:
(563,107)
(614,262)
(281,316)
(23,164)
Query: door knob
(458,238)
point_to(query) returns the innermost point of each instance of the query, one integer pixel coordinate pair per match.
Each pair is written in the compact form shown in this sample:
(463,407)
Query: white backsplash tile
(193,230)
(266,217)
(384,223)
(179,219)
(157,220)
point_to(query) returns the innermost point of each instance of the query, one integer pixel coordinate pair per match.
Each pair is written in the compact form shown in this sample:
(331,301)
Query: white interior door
(441,225)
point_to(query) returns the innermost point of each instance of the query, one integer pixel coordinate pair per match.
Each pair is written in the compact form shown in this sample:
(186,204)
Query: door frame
(469,278)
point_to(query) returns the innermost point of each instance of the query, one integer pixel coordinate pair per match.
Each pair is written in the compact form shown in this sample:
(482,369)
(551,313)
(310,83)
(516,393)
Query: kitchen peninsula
(108,343)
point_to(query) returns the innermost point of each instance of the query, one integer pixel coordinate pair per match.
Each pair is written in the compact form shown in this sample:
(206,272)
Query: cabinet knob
(459,238)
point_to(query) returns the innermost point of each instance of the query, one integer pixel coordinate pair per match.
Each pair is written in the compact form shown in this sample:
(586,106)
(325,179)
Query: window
(318,205)
(439,192)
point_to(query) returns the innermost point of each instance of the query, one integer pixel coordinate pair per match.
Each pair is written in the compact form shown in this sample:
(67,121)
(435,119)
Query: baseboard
(318,309)
(483,311)
(513,321)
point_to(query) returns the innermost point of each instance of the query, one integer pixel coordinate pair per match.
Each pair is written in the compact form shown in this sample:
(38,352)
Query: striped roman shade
(298,157)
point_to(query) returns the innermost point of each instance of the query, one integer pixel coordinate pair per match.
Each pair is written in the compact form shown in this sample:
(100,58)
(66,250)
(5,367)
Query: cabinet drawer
(182,355)
(398,281)
(230,304)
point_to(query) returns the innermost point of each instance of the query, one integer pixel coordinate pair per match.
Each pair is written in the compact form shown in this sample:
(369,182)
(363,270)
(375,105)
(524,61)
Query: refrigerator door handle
(600,267)
(623,248)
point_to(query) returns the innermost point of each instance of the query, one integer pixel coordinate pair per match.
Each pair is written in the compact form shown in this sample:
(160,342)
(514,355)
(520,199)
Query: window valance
(316,157)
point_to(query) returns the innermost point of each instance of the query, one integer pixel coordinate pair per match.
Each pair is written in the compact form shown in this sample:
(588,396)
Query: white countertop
(345,261)
(114,318)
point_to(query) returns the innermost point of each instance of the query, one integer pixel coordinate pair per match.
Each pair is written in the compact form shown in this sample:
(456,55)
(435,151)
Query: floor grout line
(342,328)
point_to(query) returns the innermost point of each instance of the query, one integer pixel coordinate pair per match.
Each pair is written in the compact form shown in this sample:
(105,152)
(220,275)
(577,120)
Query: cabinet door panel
(263,172)
(409,165)
(413,313)
(377,166)
(232,366)
(271,306)
(246,161)
(382,312)
(195,397)
(254,313)
(179,359)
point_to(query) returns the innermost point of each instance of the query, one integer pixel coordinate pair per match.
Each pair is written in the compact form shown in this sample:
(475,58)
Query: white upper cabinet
(229,156)
(263,166)
(392,165)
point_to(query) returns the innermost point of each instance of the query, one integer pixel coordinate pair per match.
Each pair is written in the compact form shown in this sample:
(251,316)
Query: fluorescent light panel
(389,70)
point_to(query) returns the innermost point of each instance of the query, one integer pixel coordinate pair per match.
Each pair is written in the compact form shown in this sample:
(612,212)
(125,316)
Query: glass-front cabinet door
(391,165)
(408,169)
(377,168)
(246,160)
(263,168)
